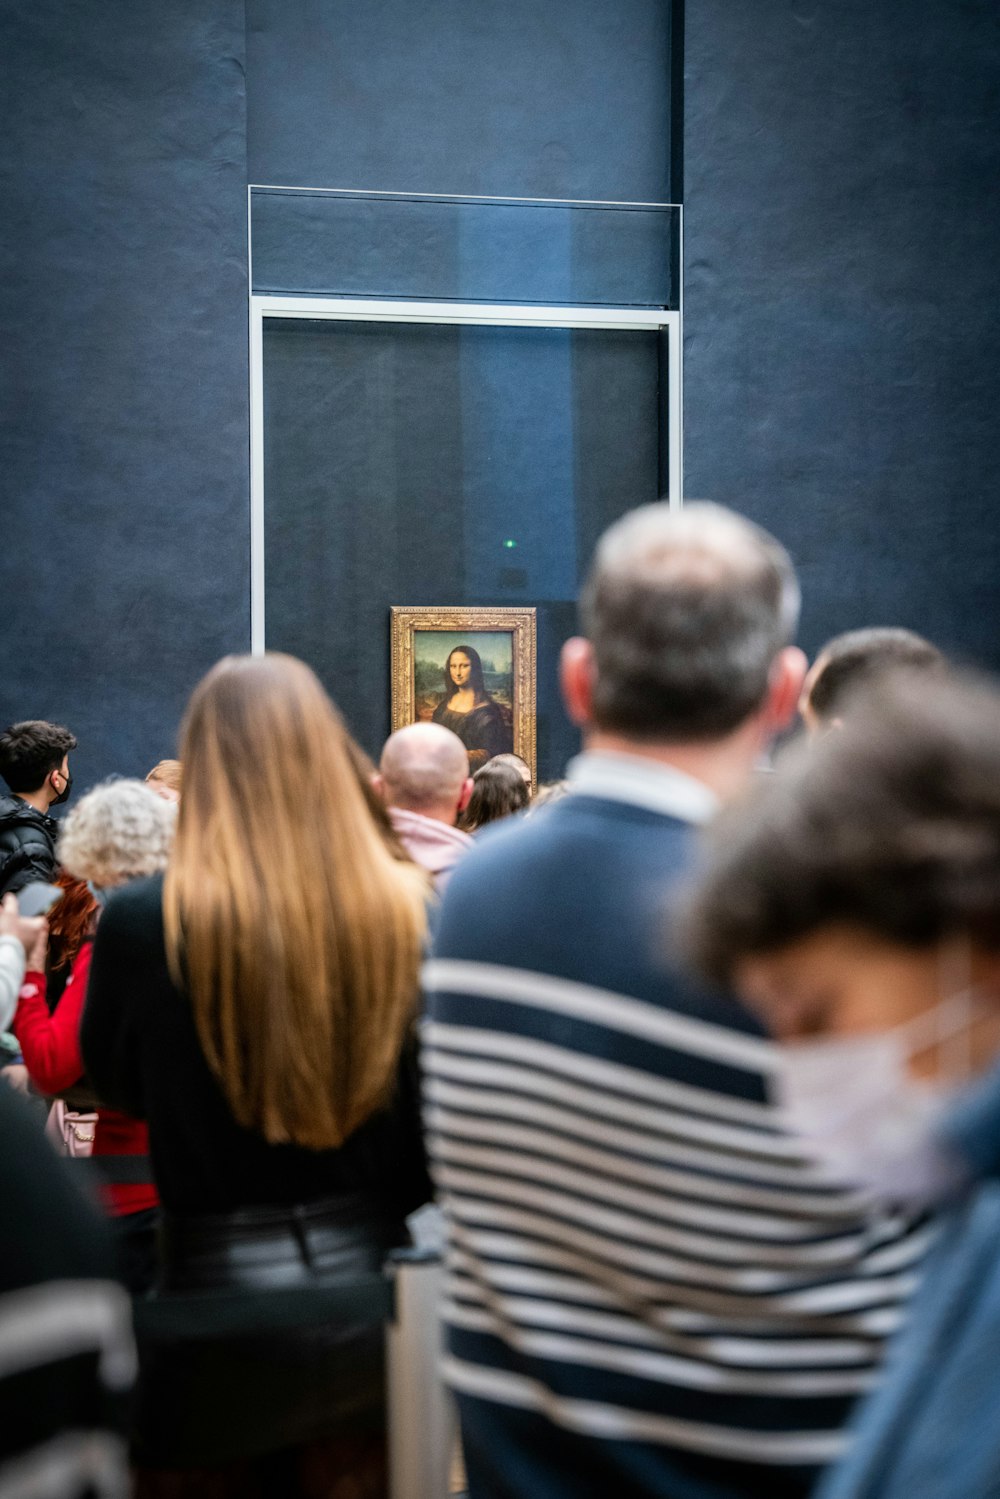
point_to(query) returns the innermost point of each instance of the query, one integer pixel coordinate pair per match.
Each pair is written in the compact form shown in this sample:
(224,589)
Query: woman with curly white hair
(118,832)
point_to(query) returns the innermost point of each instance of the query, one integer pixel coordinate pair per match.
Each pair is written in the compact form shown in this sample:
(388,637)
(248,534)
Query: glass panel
(423,464)
(487,250)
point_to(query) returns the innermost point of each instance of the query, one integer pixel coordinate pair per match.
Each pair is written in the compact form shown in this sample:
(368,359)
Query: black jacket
(27,845)
(65,1325)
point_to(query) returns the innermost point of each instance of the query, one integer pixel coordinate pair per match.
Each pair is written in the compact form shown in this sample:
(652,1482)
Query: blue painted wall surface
(123,407)
(562,99)
(123,164)
(842,241)
(842,363)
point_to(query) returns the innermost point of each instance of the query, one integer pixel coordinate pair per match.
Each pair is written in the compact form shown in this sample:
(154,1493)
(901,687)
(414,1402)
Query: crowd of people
(697,1053)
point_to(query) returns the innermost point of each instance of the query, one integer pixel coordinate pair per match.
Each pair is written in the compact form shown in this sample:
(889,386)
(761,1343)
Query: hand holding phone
(38,898)
(29,930)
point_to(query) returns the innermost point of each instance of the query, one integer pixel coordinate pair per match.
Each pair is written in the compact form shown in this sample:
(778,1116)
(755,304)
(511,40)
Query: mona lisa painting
(472,670)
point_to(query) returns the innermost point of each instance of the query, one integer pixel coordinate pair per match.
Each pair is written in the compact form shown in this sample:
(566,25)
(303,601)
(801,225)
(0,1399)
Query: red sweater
(50,1045)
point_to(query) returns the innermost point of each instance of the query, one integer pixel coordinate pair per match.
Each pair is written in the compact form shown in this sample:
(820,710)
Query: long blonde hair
(294,931)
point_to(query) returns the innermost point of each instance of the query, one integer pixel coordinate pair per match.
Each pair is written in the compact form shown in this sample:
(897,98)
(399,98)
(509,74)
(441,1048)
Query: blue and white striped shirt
(651,1289)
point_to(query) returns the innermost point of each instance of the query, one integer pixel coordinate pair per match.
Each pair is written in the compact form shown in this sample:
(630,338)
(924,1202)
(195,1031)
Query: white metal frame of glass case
(482,314)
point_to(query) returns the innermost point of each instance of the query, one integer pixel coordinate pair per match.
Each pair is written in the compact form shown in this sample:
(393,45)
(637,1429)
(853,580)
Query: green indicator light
(510,543)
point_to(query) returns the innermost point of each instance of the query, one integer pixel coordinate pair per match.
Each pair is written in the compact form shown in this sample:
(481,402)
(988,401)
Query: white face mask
(853,1101)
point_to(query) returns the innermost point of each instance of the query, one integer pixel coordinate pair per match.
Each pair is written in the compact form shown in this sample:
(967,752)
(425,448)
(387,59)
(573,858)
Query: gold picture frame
(503,642)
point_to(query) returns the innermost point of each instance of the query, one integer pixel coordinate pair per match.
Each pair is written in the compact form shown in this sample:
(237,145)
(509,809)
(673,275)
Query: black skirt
(235,1361)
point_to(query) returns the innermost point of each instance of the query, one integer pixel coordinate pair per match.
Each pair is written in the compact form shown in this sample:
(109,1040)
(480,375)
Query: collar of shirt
(642,783)
(428,830)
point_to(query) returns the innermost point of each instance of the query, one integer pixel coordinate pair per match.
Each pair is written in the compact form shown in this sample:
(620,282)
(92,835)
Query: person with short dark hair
(651,1291)
(855,903)
(852,661)
(498,791)
(34,761)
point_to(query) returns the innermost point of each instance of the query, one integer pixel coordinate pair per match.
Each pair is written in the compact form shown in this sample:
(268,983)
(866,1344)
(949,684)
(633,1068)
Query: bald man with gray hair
(424,780)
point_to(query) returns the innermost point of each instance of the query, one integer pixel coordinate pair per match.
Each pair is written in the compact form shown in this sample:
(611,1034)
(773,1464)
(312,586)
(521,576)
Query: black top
(65,1327)
(143,1055)
(27,845)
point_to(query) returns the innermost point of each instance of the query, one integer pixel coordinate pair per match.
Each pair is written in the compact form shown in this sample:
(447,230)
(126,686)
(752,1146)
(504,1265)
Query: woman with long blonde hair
(272,1058)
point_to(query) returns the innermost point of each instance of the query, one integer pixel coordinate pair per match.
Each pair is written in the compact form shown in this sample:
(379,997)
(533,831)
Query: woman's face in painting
(460,668)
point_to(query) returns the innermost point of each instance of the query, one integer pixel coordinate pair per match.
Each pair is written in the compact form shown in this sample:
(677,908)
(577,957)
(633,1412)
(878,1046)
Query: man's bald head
(686,612)
(425,768)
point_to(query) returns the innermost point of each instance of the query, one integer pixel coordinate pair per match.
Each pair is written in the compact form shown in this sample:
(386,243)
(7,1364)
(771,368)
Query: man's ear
(464,794)
(576,679)
(787,676)
(379,787)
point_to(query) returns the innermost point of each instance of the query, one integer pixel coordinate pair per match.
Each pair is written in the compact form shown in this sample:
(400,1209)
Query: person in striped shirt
(652,1288)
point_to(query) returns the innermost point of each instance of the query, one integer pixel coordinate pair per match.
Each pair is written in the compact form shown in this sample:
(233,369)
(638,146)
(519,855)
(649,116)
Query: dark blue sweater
(651,1290)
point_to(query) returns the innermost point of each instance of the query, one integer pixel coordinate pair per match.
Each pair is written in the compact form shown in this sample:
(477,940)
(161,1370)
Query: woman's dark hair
(30,750)
(891,825)
(497,791)
(476,680)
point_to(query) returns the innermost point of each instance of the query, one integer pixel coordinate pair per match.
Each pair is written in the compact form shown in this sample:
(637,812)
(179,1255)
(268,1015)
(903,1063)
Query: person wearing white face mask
(855,904)
(869,1117)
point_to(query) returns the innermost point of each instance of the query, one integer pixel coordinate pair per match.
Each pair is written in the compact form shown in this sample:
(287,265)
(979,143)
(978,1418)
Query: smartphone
(37,899)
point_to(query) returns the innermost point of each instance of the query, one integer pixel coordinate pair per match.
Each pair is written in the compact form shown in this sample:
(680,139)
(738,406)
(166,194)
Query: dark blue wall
(123,166)
(842,243)
(123,409)
(842,251)
(561,99)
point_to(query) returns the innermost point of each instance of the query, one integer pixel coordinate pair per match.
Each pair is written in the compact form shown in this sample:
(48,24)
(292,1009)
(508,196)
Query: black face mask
(64,793)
